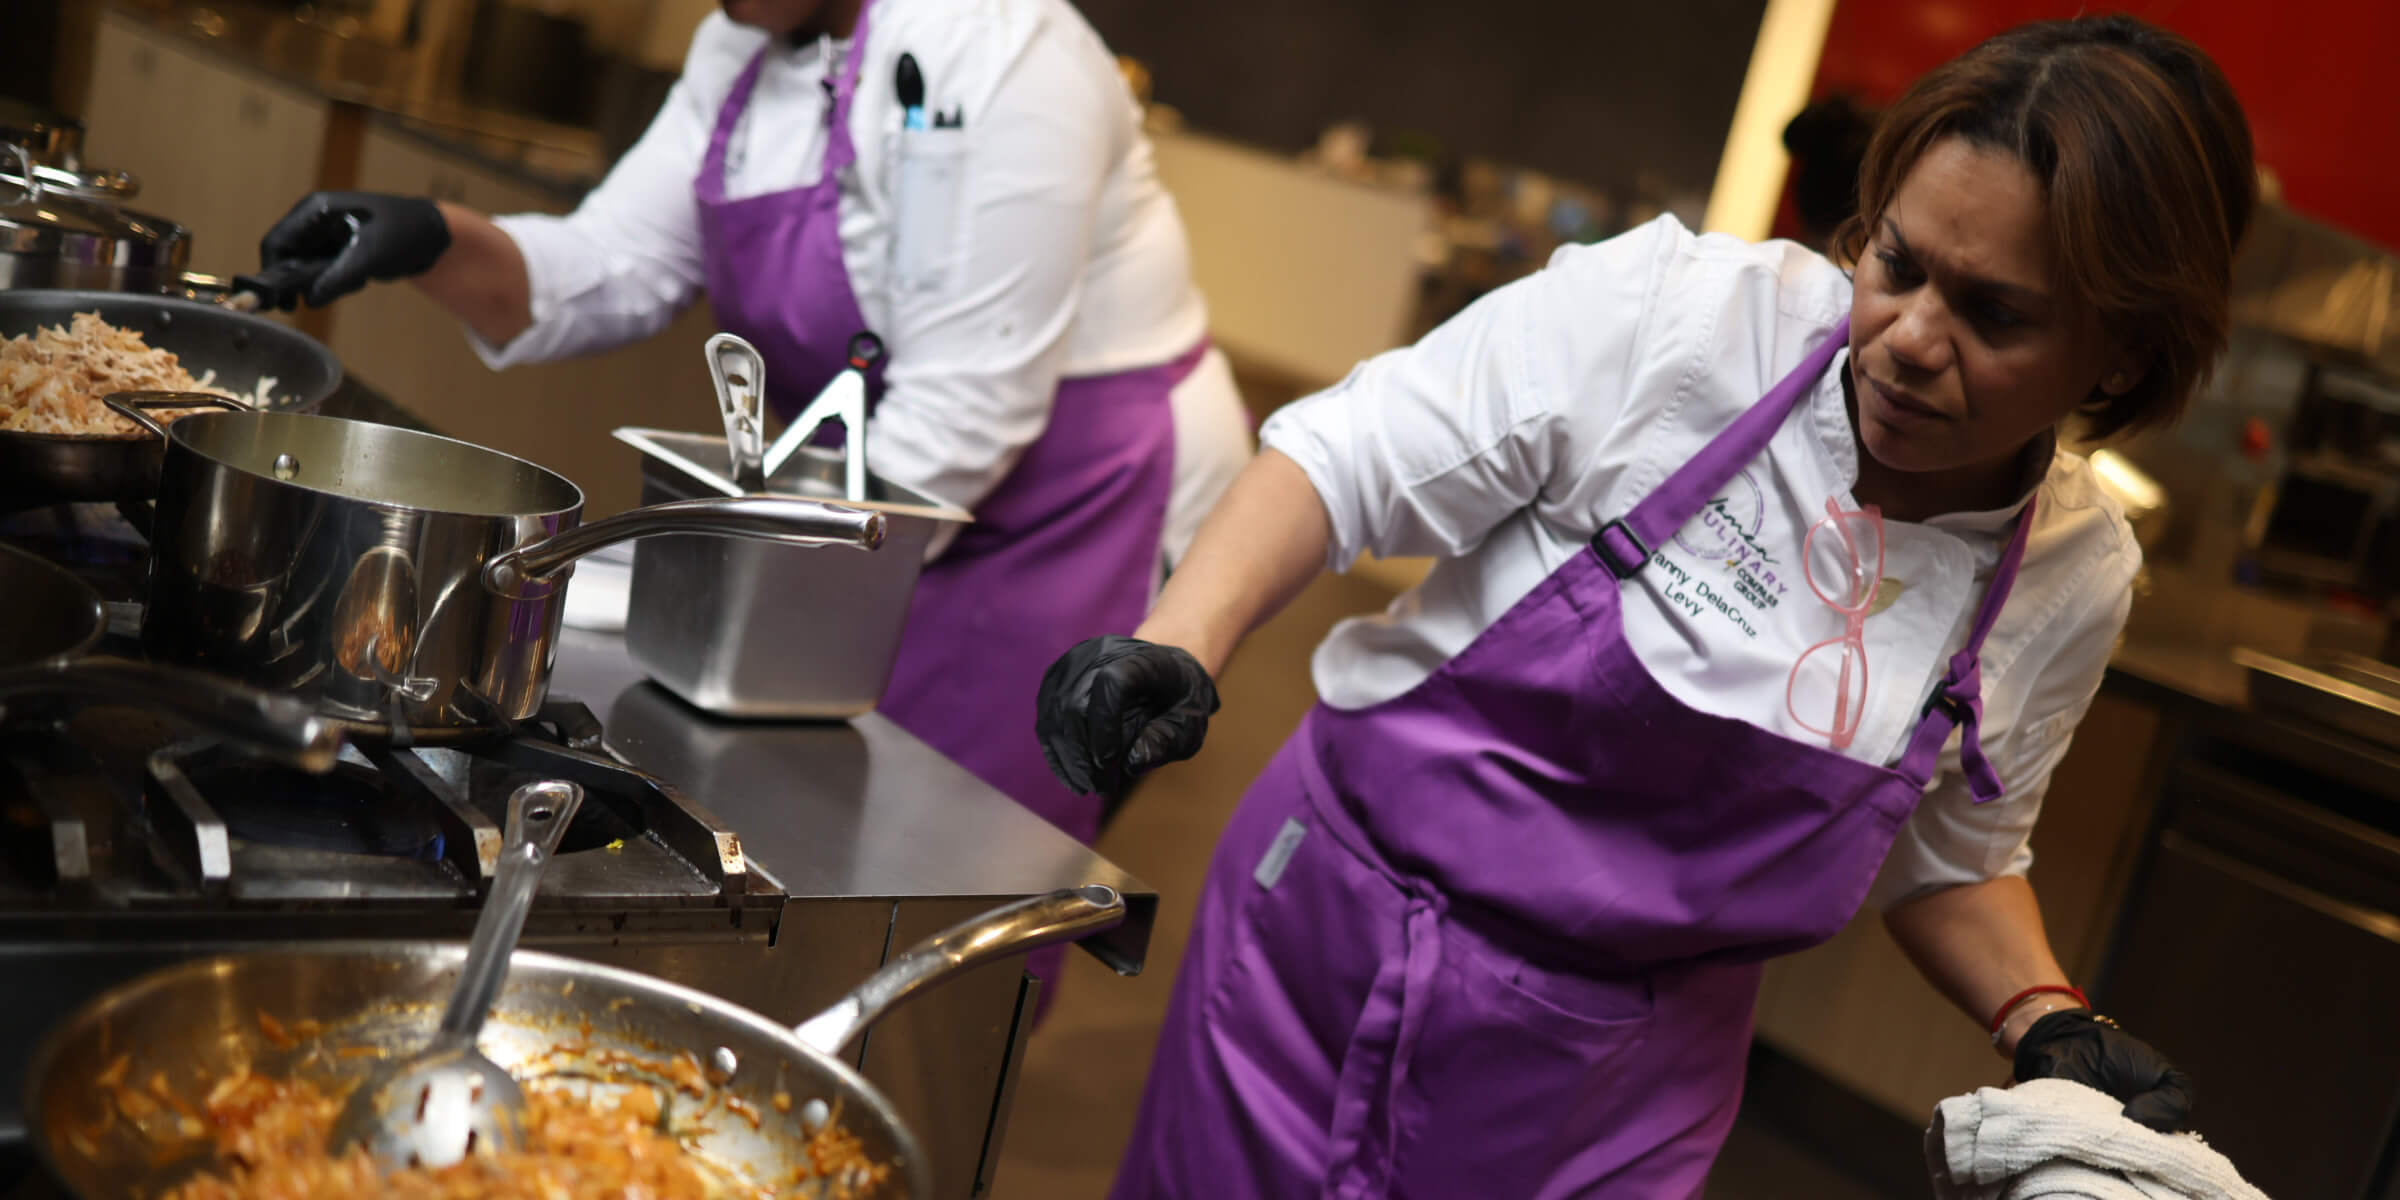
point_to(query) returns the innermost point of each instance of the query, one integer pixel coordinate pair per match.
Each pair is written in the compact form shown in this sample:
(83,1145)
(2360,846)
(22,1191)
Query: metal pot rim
(181,433)
(138,248)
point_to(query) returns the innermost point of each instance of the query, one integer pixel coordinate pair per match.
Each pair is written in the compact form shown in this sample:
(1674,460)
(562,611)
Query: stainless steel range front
(772,864)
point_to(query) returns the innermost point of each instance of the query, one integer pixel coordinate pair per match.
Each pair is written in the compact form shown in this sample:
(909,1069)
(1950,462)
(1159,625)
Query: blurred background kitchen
(2222,847)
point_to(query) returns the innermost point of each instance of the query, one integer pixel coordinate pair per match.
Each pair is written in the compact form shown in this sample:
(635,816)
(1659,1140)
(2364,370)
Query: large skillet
(49,619)
(240,347)
(196,1022)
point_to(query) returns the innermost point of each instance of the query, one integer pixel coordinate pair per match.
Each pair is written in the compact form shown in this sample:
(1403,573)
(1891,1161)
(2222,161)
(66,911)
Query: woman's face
(1962,347)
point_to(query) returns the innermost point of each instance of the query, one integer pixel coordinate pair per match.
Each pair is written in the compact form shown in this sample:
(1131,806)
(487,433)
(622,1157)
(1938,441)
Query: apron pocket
(1557,1003)
(1506,1081)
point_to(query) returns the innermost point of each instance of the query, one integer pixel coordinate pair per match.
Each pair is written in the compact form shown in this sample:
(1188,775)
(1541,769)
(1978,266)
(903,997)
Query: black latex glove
(1113,708)
(2089,1049)
(332,243)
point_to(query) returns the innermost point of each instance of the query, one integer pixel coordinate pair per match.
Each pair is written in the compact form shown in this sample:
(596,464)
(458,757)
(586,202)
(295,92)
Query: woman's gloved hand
(332,243)
(1114,708)
(2083,1046)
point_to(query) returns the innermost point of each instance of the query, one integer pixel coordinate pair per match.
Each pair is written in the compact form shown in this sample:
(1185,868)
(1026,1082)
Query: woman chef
(1758,574)
(966,178)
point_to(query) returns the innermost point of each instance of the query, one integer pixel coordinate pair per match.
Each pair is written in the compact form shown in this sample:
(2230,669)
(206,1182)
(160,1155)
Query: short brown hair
(2144,155)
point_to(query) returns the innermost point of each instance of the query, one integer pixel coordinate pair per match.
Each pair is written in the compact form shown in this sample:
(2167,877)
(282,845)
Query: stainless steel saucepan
(406,584)
(193,1024)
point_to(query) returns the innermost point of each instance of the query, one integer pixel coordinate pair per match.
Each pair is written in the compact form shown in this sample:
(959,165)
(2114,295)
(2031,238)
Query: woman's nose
(1919,338)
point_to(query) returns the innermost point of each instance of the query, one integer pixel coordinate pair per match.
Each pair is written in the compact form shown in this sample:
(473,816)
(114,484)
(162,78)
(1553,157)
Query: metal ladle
(448,1101)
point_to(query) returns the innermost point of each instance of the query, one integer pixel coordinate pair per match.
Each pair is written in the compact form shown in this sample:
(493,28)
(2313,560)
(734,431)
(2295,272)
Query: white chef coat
(1504,440)
(1060,256)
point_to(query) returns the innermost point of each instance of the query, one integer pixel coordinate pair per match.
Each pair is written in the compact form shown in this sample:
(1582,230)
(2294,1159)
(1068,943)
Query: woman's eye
(1898,269)
(1999,316)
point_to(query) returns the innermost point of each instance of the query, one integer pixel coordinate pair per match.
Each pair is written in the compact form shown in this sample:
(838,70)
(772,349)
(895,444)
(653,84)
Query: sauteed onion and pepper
(265,1136)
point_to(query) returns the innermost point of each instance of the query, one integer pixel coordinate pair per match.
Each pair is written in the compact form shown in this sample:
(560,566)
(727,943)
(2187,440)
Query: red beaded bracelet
(2065,989)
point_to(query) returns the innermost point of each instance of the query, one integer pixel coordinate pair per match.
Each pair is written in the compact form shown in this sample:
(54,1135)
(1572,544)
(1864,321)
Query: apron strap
(841,87)
(729,117)
(1624,545)
(839,150)
(1957,702)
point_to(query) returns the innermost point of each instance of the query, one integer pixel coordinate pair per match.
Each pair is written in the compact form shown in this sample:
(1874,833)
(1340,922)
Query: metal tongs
(740,374)
(845,400)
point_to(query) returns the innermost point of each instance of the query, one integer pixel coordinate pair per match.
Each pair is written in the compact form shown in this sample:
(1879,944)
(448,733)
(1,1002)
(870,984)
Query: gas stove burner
(349,810)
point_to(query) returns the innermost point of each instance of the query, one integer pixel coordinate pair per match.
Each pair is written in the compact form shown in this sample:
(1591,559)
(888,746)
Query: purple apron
(1067,547)
(1501,935)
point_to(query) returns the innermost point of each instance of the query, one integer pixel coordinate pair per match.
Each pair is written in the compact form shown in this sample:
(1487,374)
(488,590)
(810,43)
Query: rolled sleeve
(629,258)
(576,306)
(1425,449)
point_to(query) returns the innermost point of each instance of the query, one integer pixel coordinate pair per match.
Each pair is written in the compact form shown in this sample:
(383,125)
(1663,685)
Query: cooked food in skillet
(54,379)
(598,1124)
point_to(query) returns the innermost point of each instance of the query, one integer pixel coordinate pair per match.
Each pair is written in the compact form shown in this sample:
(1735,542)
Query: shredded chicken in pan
(270,1134)
(54,379)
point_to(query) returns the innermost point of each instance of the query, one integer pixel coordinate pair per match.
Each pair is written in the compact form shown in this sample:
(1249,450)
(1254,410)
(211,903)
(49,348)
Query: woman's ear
(2125,374)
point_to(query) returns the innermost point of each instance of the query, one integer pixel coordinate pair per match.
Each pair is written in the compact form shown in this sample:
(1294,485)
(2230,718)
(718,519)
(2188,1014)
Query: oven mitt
(2090,1049)
(355,236)
(1114,708)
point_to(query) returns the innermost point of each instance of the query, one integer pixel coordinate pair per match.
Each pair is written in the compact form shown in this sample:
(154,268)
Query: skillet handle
(1062,916)
(134,406)
(762,518)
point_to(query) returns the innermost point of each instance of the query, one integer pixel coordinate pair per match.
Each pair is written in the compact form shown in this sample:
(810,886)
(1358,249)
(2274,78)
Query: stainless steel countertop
(844,810)
(2182,671)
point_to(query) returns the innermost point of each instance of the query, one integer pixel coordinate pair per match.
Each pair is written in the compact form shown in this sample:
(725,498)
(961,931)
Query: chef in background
(969,180)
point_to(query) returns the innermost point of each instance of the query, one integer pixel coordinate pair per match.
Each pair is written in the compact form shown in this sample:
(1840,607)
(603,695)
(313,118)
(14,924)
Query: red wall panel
(2318,80)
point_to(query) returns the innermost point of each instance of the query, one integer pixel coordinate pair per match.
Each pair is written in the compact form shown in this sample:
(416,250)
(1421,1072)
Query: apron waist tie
(1361,1140)
(1377,1062)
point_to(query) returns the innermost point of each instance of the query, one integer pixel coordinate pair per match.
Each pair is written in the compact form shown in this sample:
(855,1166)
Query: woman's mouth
(1901,407)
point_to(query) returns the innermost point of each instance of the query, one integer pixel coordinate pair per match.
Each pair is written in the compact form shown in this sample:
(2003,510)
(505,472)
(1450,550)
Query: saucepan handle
(134,406)
(785,519)
(1062,916)
(284,727)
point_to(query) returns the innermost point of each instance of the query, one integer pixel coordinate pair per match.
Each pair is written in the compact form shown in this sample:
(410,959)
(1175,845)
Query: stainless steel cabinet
(220,149)
(2261,951)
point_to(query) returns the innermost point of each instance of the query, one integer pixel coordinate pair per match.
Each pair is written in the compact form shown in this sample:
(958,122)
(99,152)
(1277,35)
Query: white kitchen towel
(2050,1139)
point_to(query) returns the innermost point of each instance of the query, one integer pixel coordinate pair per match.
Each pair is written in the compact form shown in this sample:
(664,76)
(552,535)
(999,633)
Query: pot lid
(49,225)
(48,213)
